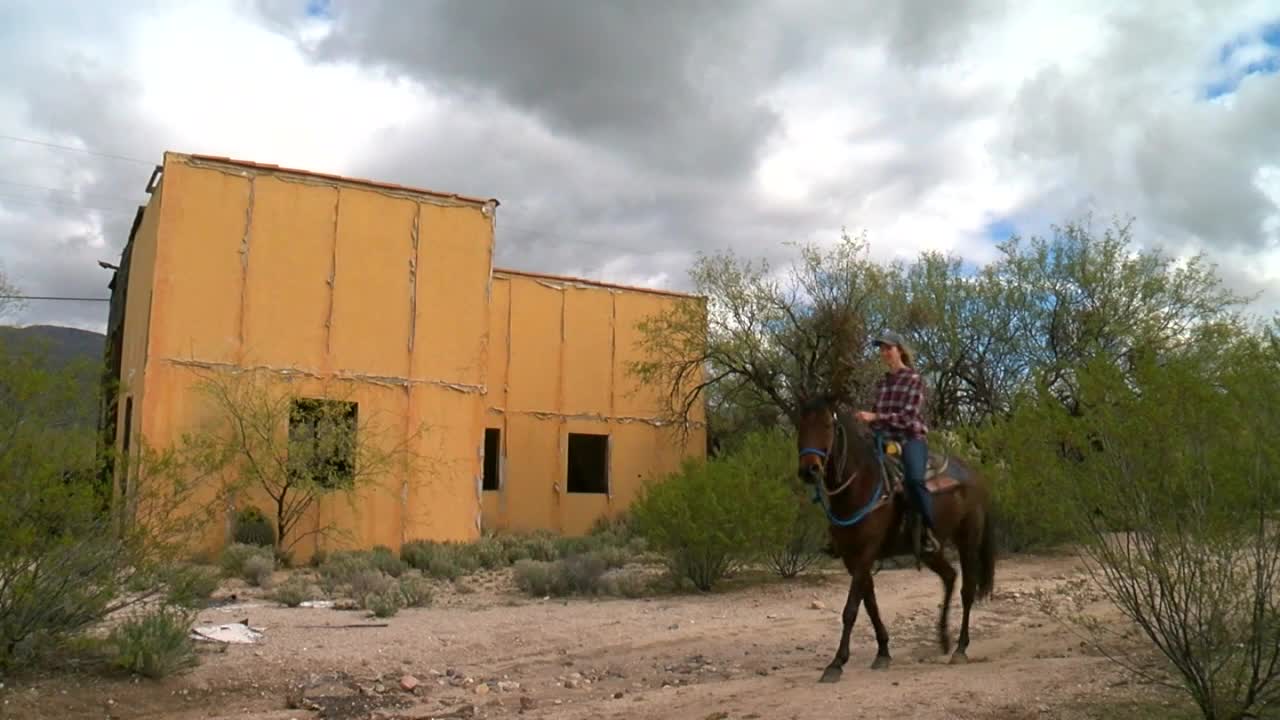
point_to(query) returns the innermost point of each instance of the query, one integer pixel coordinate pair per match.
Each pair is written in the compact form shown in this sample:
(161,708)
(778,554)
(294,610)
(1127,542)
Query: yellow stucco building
(519,379)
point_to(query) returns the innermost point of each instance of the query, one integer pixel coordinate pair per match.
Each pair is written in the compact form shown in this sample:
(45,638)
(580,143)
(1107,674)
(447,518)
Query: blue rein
(865,510)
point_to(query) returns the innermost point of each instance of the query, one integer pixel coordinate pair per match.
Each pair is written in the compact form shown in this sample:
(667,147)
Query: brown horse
(842,459)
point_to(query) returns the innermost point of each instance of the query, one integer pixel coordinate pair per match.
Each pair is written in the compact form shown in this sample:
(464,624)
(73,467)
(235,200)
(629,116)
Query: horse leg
(882,635)
(937,562)
(968,589)
(836,668)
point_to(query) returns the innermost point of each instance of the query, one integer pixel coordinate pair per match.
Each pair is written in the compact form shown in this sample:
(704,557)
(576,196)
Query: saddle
(934,479)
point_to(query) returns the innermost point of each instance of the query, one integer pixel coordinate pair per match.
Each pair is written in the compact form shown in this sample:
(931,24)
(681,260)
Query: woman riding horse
(897,414)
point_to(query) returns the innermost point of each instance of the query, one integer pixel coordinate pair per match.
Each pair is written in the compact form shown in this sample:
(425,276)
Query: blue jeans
(915,456)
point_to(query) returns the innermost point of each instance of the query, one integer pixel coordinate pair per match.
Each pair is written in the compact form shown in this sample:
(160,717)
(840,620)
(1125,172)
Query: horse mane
(835,403)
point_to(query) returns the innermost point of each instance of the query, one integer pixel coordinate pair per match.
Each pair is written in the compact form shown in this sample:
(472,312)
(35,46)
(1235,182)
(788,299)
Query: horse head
(830,441)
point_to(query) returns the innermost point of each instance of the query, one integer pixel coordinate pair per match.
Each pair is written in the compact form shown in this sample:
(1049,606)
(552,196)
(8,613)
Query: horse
(844,462)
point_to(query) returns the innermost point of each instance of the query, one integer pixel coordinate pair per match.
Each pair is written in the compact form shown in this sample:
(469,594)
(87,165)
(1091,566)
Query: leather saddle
(935,479)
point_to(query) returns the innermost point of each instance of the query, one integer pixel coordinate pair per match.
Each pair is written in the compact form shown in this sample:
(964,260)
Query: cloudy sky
(623,137)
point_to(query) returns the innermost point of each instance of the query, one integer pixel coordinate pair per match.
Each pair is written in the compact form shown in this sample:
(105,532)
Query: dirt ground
(754,651)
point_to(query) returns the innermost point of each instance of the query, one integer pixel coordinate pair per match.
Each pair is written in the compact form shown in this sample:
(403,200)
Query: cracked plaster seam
(285,176)
(384,380)
(620,419)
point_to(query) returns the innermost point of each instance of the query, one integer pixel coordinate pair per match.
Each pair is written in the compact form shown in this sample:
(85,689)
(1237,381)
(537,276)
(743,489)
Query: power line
(53,297)
(69,191)
(76,149)
(60,204)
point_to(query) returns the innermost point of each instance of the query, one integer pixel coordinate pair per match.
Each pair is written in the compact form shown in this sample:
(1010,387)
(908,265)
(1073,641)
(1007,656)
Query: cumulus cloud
(623,138)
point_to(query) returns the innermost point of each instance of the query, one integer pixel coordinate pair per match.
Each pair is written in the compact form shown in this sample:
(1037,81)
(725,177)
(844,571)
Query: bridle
(841,442)
(822,494)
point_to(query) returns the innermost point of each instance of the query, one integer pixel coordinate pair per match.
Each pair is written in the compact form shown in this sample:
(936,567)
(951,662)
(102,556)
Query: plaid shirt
(899,403)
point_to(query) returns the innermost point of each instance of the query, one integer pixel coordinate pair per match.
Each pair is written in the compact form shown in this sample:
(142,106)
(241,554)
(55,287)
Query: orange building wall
(389,294)
(137,321)
(315,282)
(558,363)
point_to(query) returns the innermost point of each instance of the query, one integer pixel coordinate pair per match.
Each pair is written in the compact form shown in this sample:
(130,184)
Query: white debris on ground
(235,633)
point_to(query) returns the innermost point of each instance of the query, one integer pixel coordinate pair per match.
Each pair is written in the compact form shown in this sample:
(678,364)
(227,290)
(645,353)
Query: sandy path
(752,652)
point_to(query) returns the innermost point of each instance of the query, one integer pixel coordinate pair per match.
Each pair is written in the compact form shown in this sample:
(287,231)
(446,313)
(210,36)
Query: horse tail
(987,555)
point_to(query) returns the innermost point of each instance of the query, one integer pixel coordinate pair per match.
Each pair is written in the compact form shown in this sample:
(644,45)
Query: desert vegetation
(1121,403)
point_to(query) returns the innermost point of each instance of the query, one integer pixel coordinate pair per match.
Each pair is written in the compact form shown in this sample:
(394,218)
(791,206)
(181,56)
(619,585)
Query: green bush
(235,558)
(67,559)
(384,604)
(625,584)
(771,455)
(253,527)
(258,570)
(385,560)
(540,578)
(370,581)
(155,643)
(416,590)
(190,586)
(447,561)
(293,592)
(715,515)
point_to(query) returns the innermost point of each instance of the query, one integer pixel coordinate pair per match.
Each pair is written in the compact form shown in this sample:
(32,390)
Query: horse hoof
(959,658)
(881,663)
(831,674)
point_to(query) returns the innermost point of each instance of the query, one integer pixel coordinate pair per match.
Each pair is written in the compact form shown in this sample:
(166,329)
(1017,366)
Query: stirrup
(929,542)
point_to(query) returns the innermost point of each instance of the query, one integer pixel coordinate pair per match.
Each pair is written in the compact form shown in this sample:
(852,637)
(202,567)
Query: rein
(822,495)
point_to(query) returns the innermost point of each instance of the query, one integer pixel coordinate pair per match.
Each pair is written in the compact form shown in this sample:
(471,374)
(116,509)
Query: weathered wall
(558,365)
(137,324)
(383,290)
(388,295)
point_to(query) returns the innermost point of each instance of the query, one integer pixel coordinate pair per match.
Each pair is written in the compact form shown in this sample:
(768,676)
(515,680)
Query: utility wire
(50,188)
(53,297)
(76,149)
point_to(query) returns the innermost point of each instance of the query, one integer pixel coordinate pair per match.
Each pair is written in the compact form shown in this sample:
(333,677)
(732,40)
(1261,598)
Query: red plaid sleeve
(899,404)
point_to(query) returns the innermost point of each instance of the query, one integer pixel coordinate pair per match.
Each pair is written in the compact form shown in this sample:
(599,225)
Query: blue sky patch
(1267,38)
(319,9)
(1000,230)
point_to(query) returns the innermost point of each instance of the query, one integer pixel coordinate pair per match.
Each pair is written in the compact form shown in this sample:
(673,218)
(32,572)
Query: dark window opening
(322,443)
(492,449)
(588,470)
(128,423)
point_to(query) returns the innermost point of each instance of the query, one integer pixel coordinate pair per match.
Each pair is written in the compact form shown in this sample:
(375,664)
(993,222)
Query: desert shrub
(68,559)
(235,558)
(369,581)
(447,561)
(155,643)
(613,556)
(540,578)
(1176,493)
(416,590)
(340,568)
(258,569)
(253,527)
(489,553)
(384,604)
(581,573)
(540,546)
(712,516)
(385,560)
(292,592)
(190,586)
(808,536)
(627,584)
(804,533)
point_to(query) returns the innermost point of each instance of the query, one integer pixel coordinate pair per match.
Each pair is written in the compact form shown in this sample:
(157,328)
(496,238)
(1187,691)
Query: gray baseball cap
(889,337)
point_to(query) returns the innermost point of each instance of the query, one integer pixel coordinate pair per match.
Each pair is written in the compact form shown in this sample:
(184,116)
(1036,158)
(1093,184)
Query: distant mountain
(62,345)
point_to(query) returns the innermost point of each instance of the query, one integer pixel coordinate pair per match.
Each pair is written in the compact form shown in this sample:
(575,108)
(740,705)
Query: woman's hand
(866,416)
